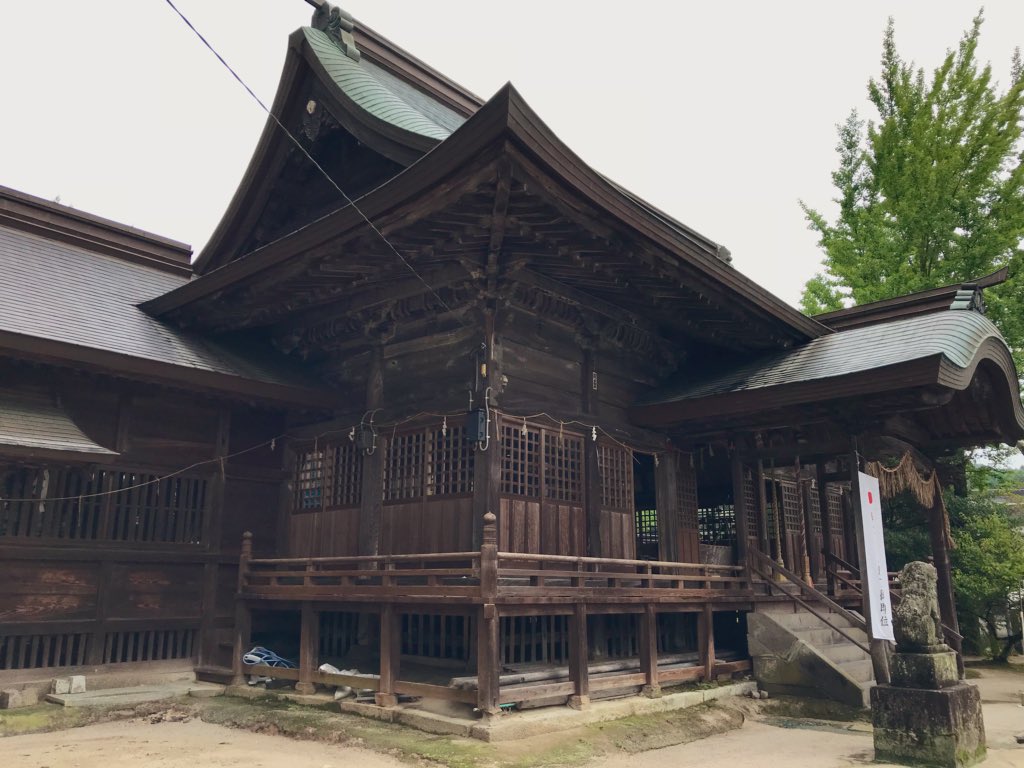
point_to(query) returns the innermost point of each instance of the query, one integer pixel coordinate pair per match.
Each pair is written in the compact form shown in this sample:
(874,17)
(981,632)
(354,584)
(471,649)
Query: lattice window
(344,478)
(404,467)
(686,492)
(717,524)
(145,509)
(790,498)
(563,468)
(55,502)
(647,526)
(752,502)
(520,461)
(835,511)
(451,460)
(616,467)
(309,481)
(815,509)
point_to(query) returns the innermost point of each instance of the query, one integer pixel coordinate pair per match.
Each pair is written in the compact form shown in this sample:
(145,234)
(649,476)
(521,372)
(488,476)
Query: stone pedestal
(933,727)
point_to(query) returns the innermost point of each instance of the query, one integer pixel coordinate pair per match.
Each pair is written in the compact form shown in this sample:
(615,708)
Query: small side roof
(61,301)
(32,426)
(943,349)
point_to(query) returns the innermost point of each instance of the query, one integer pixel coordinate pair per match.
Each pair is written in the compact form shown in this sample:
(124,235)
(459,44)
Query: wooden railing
(436,576)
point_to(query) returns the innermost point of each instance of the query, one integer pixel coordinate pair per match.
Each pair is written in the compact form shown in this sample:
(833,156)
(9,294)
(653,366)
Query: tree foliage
(932,192)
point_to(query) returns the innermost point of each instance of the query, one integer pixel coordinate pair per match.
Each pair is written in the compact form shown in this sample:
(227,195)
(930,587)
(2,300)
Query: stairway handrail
(775,568)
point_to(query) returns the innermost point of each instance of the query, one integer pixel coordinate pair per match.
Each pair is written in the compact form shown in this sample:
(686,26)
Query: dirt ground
(191,744)
(769,733)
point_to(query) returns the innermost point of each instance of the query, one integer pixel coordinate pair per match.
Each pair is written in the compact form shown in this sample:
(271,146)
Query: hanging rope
(892,481)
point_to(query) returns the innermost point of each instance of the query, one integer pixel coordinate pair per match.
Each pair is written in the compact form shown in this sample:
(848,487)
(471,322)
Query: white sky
(721,113)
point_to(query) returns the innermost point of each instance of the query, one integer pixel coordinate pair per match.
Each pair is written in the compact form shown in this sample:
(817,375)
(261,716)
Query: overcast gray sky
(721,113)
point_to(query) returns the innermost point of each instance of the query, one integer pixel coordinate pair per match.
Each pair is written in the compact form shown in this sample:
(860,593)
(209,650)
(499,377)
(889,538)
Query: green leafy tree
(930,194)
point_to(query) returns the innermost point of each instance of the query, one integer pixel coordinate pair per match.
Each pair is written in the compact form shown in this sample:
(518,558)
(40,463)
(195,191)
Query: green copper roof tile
(380,95)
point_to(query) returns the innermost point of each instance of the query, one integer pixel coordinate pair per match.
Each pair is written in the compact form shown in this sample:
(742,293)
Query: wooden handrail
(837,560)
(643,564)
(773,568)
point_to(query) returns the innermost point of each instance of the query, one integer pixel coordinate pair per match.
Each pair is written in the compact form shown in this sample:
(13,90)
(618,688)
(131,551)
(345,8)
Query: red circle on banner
(871,499)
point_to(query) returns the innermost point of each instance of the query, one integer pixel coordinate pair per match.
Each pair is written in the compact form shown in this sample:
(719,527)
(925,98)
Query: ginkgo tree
(931,191)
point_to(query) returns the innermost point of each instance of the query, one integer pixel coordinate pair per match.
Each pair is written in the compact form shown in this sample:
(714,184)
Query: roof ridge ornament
(969,297)
(338,25)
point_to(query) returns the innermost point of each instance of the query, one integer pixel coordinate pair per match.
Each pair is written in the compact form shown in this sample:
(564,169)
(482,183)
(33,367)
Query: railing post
(649,651)
(579,671)
(243,617)
(487,662)
(309,648)
(390,656)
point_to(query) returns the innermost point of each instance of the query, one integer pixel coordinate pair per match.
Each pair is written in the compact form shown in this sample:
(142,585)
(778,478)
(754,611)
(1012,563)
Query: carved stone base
(385,699)
(305,688)
(651,691)
(941,728)
(925,670)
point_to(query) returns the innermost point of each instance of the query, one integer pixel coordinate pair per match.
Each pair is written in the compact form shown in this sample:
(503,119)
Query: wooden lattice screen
(615,465)
(403,467)
(563,468)
(450,463)
(752,503)
(58,503)
(686,490)
(428,462)
(520,461)
(328,475)
(790,505)
(835,511)
(717,524)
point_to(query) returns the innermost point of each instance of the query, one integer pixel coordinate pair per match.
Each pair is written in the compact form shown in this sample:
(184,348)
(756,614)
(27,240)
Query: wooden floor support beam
(579,670)
(243,616)
(390,655)
(309,648)
(649,651)
(706,641)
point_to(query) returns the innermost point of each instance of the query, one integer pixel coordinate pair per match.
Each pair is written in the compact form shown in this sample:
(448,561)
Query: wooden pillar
(706,641)
(667,499)
(940,557)
(739,505)
(592,470)
(371,504)
(390,655)
(762,520)
(811,553)
(579,670)
(649,651)
(488,662)
(879,652)
(243,616)
(826,527)
(309,648)
(487,464)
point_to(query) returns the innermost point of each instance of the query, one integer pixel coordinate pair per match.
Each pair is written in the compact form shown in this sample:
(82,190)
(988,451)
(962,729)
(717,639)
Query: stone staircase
(794,652)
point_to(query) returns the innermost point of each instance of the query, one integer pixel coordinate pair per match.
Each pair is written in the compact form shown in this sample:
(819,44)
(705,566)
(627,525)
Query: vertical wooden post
(810,554)
(826,527)
(649,651)
(592,472)
(98,641)
(309,648)
(879,653)
(706,641)
(243,616)
(390,655)
(739,505)
(371,502)
(762,520)
(666,487)
(940,557)
(579,670)
(488,664)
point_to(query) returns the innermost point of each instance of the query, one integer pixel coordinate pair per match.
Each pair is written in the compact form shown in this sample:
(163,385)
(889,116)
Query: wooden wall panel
(35,590)
(442,524)
(519,526)
(139,591)
(563,529)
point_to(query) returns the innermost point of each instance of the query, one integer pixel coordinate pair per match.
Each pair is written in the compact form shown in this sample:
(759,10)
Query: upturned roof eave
(506,117)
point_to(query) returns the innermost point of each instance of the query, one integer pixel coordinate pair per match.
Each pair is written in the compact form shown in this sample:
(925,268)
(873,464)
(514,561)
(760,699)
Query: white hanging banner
(874,573)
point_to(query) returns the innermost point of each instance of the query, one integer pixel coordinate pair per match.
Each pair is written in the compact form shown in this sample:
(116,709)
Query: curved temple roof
(942,349)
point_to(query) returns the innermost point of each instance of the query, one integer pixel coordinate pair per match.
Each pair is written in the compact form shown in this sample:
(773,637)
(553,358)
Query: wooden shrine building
(498,415)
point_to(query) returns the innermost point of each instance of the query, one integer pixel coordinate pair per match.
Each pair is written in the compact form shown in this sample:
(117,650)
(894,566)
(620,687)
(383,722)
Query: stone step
(827,636)
(858,670)
(840,653)
(116,697)
(807,620)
